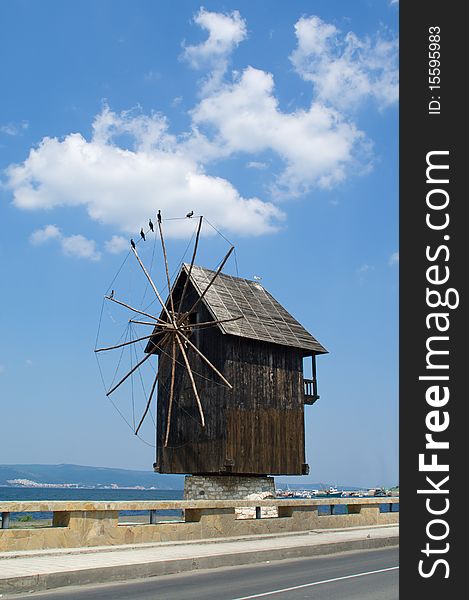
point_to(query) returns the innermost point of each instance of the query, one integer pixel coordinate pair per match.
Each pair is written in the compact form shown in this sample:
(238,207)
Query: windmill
(172,330)
(230,385)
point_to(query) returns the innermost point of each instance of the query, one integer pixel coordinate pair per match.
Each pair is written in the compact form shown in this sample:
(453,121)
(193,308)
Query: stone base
(233,487)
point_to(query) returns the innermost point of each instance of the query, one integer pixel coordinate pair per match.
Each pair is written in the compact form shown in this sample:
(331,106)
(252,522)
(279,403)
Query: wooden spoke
(137,365)
(171,393)
(206,323)
(147,408)
(129,374)
(163,324)
(166,267)
(204,358)
(140,312)
(163,305)
(200,298)
(161,343)
(186,283)
(189,370)
(145,337)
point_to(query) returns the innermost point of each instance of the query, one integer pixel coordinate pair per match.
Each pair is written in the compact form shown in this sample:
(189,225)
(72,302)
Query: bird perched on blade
(111,295)
(158,216)
(150,225)
(190,214)
(142,234)
(132,243)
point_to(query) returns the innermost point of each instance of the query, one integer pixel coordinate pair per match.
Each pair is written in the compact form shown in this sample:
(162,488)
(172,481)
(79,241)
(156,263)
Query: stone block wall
(233,487)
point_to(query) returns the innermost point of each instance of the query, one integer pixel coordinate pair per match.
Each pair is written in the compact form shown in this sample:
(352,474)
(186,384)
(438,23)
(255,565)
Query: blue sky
(278,122)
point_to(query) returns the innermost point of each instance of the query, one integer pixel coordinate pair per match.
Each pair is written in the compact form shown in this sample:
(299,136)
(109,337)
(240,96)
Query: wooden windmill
(230,388)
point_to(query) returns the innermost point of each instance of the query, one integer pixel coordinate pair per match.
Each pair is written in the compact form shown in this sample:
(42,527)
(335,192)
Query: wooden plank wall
(256,428)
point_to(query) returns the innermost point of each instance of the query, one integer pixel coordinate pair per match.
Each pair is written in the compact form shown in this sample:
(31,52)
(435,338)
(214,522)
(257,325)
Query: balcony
(310,390)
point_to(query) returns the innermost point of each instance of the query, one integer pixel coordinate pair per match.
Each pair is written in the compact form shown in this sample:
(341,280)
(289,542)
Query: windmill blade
(145,358)
(129,374)
(140,312)
(189,371)
(147,408)
(197,302)
(145,337)
(160,227)
(207,323)
(163,324)
(204,358)
(184,289)
(163,305)
(171,392)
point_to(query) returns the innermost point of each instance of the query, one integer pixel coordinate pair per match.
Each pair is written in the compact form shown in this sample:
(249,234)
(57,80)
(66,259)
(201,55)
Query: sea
(26,494)
(114,495)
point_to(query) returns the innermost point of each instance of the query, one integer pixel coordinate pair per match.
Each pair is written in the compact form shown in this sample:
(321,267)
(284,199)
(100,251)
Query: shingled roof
(264,318)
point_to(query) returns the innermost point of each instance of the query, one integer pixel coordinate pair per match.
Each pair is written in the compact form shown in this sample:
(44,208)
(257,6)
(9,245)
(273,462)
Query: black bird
(111,295)
(158,216)
(142,234)
(150,225)
(190,214)
(132,243)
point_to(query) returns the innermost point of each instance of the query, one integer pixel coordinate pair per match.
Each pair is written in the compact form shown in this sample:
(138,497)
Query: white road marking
(305,585)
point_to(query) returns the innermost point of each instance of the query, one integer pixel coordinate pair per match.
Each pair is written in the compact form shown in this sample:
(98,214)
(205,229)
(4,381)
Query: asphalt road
(364,575)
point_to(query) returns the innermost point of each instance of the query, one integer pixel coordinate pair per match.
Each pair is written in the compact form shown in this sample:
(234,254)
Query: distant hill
(89,476)
(84,476)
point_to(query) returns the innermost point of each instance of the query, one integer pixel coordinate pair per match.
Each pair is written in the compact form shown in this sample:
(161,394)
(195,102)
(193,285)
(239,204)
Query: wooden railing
(311,392)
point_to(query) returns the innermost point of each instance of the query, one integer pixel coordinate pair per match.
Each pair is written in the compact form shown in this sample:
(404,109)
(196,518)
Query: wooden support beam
(145,337)
(140,312)
(147,407)
(163,340)
(189,370)
(166,267)
(200,298)
(184,289)
(163,305)
(171,392)
(205,359)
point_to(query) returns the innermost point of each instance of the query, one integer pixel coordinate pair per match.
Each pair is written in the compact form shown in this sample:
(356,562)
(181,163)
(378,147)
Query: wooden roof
(265,319)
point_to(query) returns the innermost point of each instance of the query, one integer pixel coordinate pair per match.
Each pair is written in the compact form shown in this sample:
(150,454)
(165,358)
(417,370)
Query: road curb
(36,583)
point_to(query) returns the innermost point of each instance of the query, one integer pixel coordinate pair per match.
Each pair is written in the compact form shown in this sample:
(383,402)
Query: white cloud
(365,268)
(152,76)
(132,165)
(364,271)
(73,245)
(225,32)
(40,236)
(346,69)
(246,118)
(123,187)
(393,259)
(14,129)
(254,164)
(80,246)
(117,244)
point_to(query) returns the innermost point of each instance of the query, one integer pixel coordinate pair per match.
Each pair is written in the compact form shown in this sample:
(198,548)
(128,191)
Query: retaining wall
(82,524)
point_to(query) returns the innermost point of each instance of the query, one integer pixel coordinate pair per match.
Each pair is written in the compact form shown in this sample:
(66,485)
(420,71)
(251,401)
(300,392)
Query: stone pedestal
(233,487)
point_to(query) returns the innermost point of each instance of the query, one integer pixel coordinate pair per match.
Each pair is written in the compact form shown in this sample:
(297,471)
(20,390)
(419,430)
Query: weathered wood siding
(255,428)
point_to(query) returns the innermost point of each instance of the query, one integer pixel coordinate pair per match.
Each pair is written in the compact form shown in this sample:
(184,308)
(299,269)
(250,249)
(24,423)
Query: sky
(276,121)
